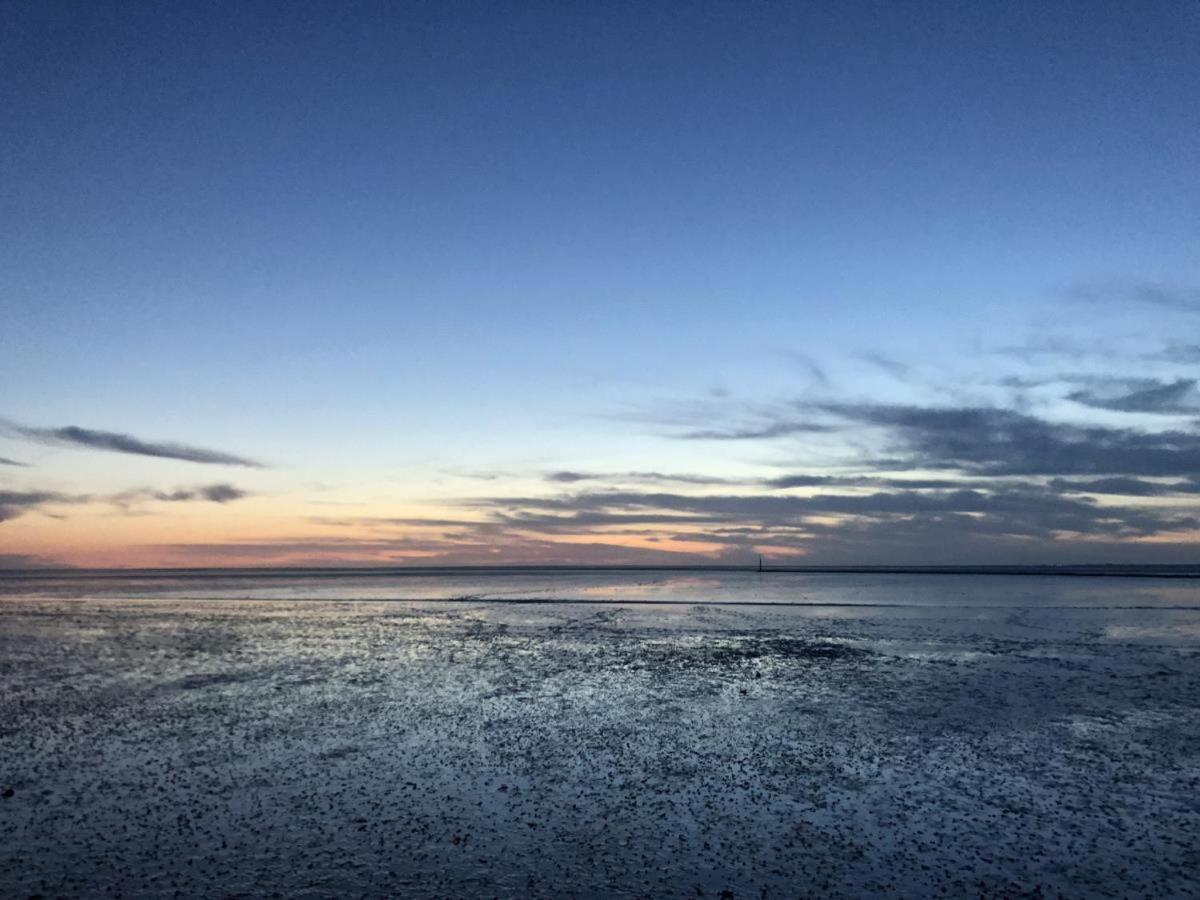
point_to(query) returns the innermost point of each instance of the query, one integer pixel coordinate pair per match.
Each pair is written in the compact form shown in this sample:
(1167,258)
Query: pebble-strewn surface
(220,748)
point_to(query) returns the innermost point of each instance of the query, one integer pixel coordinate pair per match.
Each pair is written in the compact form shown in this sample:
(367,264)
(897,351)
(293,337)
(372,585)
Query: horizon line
(1127,570)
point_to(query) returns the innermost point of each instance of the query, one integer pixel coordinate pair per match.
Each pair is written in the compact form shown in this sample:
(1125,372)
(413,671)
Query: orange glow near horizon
(274,530)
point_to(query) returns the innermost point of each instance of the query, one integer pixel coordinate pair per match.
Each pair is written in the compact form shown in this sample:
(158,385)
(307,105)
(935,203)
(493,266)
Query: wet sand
(477,749)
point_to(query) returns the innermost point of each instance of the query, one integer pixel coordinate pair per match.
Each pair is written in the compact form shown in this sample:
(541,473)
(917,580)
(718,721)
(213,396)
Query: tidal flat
(992,736)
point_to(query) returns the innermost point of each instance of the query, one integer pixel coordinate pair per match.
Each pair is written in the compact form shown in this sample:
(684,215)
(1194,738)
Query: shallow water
(904,735)
(661,586)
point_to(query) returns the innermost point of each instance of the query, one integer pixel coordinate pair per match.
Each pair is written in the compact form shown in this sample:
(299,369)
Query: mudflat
(491,747)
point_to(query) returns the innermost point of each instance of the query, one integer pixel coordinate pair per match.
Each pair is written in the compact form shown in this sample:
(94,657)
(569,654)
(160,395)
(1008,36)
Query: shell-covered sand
(478,749)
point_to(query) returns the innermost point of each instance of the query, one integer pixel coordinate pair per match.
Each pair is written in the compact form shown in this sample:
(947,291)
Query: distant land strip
(621,601)
(1078,571)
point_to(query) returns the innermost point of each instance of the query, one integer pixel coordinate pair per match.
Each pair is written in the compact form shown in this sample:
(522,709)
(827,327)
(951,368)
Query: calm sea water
(621,586)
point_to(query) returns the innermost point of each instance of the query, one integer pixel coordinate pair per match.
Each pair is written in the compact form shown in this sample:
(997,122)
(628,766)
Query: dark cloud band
(115,442)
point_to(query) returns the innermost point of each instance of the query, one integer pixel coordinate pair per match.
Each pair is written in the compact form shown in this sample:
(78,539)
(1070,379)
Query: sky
(599,283)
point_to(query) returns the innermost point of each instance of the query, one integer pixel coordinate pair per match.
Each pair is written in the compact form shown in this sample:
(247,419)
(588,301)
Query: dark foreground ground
(552,750)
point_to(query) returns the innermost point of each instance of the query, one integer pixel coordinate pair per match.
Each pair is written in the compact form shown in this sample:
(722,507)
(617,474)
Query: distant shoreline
(1076,571)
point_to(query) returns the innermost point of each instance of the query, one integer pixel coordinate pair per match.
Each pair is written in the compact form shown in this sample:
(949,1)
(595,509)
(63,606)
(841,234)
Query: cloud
(997,482)
(801,481)
(74,436)
(217,493)
(1187,354)
(1154,293)
(571,477)
(900,520)
(814,370)
(991,441)
(727,419)
(1129,487)
(754,432)
(17,503)
(1144,395)
(988,484)
(222,493)
(958,483)
(1051,347)
(5,461)
(898,370)
(1027,510)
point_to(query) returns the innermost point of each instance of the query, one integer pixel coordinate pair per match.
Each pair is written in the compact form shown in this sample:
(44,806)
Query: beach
(595,735)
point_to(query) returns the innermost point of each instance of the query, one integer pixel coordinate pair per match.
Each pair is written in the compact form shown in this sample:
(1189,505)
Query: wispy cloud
(116,442)
(1144,395)
(814,370)
(574,477)
(1187,354)
(755,432)
(1181,297)
(898,370)
(1049,347)
(5,461)
(805,481)
(725,418)
(1125,486)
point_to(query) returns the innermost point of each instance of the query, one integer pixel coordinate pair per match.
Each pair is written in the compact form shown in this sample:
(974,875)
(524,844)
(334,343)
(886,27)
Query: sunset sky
(458,283)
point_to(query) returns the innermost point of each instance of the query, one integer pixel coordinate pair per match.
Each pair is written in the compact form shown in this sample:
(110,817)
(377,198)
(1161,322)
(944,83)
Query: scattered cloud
(996,477)
(956,484)
(216,493)
(17,503)
(112,441)
(5,461)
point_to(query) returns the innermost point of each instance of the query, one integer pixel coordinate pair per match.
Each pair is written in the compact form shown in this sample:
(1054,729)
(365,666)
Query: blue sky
(378,246)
